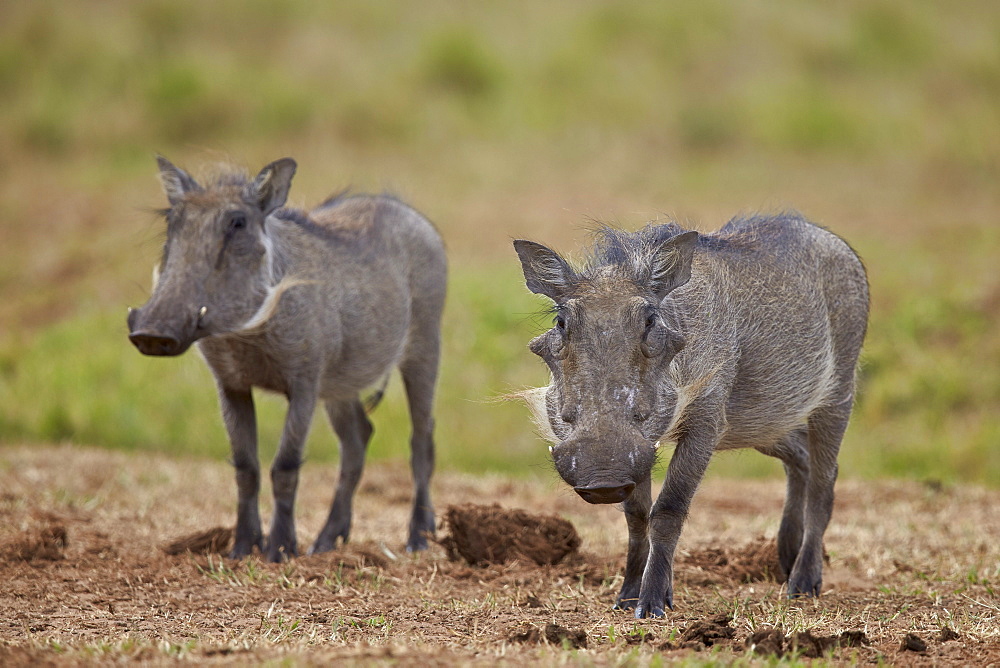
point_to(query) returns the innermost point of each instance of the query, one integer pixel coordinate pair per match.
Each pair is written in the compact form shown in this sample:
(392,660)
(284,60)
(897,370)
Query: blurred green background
(879,119)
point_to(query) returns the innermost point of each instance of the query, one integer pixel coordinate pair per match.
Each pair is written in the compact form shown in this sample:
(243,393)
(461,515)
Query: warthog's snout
(150,343)
(602,470)
(606,493)
(153,339)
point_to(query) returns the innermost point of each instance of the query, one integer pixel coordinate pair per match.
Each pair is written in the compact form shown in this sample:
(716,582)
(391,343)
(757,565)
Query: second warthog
(316,305)
(748,337)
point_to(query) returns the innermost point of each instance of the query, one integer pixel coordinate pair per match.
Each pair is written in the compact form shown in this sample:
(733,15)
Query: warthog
(747,337)
(316,305)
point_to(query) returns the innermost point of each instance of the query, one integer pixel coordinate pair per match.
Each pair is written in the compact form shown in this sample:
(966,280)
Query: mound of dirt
(211,541)
(913,643)
(485,535)
(553,634)
(772,641)
(48,543)
(756,561)
(766,641)
(707,632)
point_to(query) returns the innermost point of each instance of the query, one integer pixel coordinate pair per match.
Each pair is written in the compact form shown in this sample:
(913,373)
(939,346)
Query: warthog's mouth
(157,345)
(603,472)
(157,342)
(610,493)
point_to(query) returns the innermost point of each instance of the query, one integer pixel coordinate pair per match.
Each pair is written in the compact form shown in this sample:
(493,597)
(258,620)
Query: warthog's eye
(653,338)
(237,222)
(561,322)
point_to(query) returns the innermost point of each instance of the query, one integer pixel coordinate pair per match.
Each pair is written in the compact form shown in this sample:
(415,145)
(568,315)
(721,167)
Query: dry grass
(904,558)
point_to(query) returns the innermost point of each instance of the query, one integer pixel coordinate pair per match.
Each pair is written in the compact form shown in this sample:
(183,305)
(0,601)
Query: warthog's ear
(176,182)
(670,266)
(545,272)
(270,189)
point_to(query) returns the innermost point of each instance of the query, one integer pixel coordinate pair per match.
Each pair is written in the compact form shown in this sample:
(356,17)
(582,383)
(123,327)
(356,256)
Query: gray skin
(316,306)
(747,337)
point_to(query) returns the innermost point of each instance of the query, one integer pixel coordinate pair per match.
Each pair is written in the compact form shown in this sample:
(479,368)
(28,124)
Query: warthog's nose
(156,344)
(605,494)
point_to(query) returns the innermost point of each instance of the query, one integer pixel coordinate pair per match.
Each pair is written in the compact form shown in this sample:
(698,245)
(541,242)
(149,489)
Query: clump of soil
(756,561)
(913,643)
(767,640)
(553,634)
(813,647)
(485,535)
(772,641)
(707,632)
(211,541)
(48,543)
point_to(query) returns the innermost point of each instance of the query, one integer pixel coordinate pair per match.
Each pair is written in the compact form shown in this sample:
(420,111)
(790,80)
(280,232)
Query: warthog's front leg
(636,509)
(694,450)
(281,542)
(354,431)
(241,424)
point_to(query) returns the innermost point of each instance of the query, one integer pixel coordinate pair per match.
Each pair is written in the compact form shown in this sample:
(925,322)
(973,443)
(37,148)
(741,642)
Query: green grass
(879,119)
(98,389)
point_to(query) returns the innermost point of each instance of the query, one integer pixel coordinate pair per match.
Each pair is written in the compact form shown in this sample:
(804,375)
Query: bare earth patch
(109,557)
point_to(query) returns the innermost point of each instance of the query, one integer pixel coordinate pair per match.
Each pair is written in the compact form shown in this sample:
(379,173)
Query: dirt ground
(913,576)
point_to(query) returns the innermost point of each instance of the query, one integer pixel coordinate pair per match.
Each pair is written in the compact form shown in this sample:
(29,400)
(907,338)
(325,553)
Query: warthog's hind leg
(419,372)
(793,452)
(826,429)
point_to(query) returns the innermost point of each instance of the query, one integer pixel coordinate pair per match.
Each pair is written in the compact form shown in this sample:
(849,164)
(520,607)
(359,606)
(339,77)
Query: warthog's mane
(627,250)
(629,255)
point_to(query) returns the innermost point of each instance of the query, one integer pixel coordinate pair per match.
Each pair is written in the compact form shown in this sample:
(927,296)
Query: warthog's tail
(372,401)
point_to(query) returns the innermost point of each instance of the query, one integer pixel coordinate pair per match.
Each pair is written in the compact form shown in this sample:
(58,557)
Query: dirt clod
(913,643)
(708,632)
(772,641)
(854,639)
(559,635)
(47,543)
(947,634)
(485,535)
(813,647)
(211,541)
(553,634)
(767,641)
(529,635)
